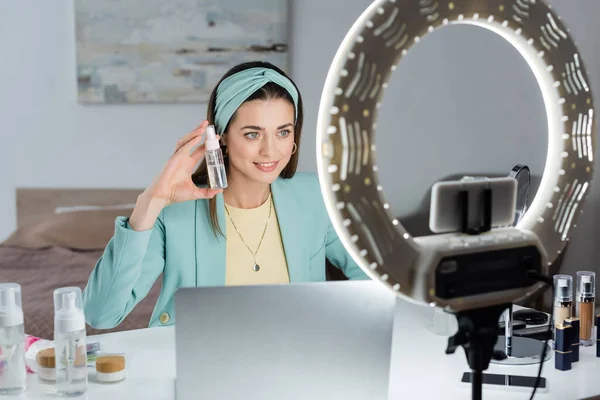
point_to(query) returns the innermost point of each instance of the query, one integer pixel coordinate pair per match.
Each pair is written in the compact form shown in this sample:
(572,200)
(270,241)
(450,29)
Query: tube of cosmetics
(574,322)
(598,335)
(562,347)
(586,296)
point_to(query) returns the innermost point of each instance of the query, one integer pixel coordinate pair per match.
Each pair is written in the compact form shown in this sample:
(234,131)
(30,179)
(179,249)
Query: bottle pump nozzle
(11,311)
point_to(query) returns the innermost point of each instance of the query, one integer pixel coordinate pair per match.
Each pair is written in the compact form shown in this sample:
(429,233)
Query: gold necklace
(255,267)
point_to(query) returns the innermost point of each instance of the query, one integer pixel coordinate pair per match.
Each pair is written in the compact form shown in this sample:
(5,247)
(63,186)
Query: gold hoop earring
(295,148)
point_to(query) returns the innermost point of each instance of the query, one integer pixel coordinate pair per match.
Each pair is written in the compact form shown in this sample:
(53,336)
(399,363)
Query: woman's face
(260,140)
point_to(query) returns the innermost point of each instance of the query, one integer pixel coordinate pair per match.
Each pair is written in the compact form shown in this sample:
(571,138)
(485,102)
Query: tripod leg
(477,386)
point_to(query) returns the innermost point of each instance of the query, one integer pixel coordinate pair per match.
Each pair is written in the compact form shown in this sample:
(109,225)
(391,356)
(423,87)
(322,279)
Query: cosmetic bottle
(563,298)
(69,342)
(12,341)
(598,335)
(574,322)
(586,296)
(214,160)
(562,347)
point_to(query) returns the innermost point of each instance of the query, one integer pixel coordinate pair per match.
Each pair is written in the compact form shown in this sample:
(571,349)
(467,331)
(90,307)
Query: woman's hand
(174,183)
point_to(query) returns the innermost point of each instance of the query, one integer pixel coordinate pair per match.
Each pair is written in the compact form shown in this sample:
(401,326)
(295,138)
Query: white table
(420,355)
(420,367)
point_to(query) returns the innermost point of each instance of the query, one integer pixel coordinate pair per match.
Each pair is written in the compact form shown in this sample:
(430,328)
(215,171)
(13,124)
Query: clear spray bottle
(69,342)
(13,374)
(214,160)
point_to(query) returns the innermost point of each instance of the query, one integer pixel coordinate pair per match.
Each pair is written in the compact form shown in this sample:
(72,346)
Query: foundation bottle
(586,296)
(563,298)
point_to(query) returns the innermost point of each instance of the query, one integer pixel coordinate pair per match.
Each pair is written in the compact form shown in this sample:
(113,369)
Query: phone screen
(507,380)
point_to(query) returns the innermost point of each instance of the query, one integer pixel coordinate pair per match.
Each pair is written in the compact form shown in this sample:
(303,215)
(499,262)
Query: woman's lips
(268,166)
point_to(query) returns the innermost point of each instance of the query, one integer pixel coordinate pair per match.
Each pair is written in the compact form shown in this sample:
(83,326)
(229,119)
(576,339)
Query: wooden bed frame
(37,204)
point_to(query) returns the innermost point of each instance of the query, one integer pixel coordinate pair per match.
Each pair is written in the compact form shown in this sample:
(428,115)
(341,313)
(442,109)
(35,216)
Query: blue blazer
(183,247)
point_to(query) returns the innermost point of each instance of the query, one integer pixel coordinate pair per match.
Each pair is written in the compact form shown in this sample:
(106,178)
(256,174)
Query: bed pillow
(84,229)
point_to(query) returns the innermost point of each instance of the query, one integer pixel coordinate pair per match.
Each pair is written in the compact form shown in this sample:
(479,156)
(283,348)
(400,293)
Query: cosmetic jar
(110,368)
(46,365)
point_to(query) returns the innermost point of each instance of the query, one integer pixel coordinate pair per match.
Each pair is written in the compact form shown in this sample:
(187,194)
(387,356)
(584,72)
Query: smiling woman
(269,226)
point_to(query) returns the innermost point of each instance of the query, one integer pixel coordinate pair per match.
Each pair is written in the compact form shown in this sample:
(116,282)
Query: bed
(60,235)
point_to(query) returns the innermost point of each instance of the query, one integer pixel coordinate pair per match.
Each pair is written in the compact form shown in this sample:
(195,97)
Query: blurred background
(462,102)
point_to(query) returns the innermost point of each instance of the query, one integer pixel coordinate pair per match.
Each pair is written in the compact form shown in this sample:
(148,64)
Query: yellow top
(250,224)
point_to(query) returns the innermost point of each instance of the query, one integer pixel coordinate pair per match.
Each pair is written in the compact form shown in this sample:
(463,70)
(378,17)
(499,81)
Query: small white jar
(110,368)
(46,365)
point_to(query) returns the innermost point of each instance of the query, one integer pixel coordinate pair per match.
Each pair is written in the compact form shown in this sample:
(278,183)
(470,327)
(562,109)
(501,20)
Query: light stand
(477,334)
(463,274)
(478,328)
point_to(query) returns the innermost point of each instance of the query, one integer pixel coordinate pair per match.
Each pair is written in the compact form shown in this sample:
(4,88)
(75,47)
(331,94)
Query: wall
(463,93)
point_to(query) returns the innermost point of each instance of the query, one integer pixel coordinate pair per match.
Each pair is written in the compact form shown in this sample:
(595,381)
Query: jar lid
(46,358)
(110,364)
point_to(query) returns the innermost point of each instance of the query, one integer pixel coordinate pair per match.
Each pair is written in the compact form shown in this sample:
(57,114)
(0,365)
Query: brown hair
(267,92)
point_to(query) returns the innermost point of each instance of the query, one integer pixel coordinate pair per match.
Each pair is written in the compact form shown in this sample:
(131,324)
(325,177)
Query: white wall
(461,92)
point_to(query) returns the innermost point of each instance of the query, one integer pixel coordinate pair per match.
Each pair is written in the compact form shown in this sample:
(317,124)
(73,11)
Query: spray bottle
(69,342)
(13,374)
(214,160)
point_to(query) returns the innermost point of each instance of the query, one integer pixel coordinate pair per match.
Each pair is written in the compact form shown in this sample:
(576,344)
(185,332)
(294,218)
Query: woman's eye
(252,135)
(285,133)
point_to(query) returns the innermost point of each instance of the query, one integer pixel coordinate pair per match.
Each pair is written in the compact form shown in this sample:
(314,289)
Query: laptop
(322,340)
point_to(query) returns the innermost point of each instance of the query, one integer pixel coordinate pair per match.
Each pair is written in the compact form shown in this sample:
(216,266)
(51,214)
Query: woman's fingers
(198,153)
(187,147)
(195,133)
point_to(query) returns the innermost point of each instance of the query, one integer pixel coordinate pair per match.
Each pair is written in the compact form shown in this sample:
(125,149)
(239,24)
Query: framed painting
(156,51)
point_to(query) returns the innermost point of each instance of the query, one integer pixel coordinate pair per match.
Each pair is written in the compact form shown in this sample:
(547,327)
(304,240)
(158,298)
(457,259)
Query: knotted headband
(235,89)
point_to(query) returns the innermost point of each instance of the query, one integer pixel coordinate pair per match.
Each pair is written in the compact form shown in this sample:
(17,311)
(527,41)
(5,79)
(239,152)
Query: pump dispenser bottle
(586,296)
(563,298)
(12,341)
(69,342)
(214,160)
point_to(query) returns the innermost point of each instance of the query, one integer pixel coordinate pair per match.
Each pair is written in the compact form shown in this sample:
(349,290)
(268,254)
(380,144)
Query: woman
(269,226)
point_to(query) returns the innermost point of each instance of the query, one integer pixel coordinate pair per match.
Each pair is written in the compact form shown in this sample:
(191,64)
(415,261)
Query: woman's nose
(268,146)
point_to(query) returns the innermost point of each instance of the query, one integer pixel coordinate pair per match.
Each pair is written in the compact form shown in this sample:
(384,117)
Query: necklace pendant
(256,267)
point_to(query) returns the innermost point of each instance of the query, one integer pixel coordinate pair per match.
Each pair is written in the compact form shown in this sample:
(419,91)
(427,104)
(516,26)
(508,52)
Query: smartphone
(508,382)
(446,209)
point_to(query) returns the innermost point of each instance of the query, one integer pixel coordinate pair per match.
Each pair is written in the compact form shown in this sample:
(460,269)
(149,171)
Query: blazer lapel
(210,250)
(290,226)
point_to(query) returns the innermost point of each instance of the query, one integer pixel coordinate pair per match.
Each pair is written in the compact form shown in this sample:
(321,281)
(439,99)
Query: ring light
(347,156)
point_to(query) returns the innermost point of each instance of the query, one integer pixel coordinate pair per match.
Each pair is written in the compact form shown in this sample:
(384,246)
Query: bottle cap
(211,143)
(110,363)
(46,358)
(563,288)
(11,310)
(586,283)
(68,310)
